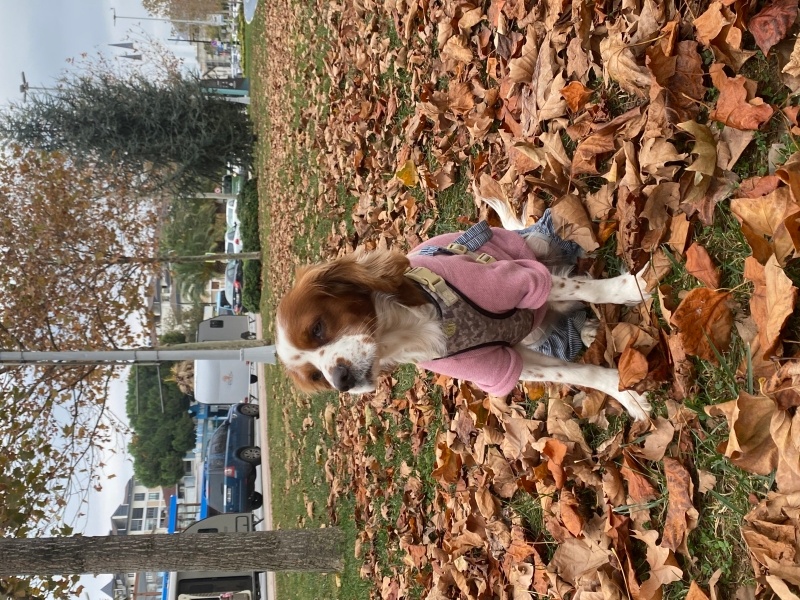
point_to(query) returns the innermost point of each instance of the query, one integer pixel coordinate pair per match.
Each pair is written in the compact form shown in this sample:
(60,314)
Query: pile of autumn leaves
(602,112)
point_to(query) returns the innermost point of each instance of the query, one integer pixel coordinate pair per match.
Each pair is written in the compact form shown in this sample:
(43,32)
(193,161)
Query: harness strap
(470,240)
(483,258)
(434,283)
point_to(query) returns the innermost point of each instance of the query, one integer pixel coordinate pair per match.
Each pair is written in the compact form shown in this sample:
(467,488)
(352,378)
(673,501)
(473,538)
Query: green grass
(245,34)
(717,538)
(296,428)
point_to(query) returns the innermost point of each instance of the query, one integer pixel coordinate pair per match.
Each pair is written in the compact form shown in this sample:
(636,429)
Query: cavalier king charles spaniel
(346,322)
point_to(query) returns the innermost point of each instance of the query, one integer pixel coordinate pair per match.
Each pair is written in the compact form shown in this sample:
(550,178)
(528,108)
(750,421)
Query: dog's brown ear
(379,271)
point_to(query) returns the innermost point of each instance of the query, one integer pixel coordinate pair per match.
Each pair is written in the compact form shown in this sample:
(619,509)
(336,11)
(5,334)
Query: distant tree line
(163,429)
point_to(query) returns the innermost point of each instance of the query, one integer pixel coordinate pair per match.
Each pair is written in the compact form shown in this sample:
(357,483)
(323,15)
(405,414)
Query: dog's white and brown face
(335,328)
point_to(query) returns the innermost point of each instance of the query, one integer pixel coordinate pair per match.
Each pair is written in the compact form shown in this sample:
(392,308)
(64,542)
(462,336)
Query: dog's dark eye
(316,376)
(317,330)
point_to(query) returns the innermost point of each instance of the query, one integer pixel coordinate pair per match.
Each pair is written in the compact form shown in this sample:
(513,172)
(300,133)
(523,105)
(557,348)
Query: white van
(215,585)
(225,328)
(222,381)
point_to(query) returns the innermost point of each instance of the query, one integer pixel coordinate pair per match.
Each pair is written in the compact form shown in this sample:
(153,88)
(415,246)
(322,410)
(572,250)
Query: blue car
(231,461)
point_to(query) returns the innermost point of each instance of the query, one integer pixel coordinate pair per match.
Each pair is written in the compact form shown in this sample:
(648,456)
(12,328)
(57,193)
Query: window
(154,495)
(139,497)
(151,513)
(136,525)
(137,513)
(150,524)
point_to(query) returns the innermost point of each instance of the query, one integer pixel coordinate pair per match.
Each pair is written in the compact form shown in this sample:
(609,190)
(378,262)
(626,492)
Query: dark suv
(231,461)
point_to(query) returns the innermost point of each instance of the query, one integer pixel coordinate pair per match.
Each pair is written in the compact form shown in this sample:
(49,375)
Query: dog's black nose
(343,378)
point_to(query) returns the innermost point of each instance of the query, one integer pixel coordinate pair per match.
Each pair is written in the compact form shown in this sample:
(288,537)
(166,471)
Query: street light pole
(25,87)
(116,16)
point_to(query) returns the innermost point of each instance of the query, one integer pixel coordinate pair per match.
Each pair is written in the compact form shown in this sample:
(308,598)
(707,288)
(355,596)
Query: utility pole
(245,350)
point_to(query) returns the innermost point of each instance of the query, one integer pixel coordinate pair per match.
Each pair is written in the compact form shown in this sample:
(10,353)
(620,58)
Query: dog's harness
(466,325)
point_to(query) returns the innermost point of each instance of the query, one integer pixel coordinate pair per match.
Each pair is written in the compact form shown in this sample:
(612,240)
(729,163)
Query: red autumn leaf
(771,24)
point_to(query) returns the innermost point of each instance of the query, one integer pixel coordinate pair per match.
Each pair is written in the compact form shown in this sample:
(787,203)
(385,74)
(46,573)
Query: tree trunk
(287,550)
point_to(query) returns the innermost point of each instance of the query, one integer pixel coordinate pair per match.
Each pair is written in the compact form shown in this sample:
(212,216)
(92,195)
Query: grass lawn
(367,465)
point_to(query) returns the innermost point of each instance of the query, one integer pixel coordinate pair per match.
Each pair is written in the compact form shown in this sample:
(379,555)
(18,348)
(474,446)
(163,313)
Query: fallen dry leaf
(734,108)
(632,368)
(772,302)
(709,25)
(576,95)
(681,514)
(663,566)
(771,24)
(704,320)
(620,64)
(572,223)
(700,265)
(696,592)
(750,445)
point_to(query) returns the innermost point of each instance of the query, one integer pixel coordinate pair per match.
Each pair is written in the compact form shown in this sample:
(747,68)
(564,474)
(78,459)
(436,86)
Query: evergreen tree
(169,130)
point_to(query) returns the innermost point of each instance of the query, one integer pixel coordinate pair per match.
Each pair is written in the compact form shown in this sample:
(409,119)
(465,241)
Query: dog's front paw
(589,331)
(635,403)
(632,288)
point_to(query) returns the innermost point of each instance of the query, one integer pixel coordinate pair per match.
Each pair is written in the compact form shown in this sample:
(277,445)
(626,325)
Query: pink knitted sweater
(516,280)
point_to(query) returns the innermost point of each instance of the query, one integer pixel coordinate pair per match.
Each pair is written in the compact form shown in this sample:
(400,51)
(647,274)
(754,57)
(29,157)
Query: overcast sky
(40,35)
(38,38)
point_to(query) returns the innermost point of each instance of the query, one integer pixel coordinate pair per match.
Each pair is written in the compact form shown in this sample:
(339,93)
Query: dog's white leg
(538,367)
(628,289)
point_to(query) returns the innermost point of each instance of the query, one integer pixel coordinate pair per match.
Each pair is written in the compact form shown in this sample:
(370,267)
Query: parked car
(231,218)
(223,306)
(233,240)
(234,281)
(231,461)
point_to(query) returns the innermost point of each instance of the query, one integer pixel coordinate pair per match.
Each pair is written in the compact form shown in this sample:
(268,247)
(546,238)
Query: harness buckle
(433,282)
(456,248)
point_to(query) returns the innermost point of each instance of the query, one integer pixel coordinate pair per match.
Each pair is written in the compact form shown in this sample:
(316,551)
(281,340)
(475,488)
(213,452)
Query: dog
(346,322)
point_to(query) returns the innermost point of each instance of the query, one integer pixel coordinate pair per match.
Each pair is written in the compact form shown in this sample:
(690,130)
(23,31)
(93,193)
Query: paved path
(266,481)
